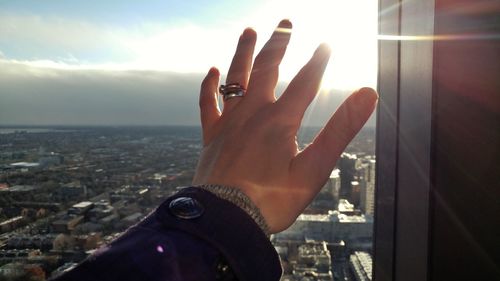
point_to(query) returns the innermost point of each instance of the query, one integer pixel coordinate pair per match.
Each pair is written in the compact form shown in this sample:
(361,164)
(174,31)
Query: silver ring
(231,90)
(233,95)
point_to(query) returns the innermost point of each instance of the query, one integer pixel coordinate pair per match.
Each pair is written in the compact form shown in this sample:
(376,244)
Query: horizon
(128,126)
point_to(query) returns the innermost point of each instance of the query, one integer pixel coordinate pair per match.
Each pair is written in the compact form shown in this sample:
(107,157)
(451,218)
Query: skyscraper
(347,166)
(367,196)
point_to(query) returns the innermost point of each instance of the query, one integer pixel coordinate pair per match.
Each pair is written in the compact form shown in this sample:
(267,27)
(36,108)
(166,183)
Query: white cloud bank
(45,96)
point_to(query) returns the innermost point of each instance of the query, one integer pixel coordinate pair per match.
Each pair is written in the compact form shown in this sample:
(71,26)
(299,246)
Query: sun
(348,26)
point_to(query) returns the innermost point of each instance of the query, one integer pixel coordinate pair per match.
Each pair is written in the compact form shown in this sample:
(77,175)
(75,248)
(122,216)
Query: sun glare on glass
(349,28)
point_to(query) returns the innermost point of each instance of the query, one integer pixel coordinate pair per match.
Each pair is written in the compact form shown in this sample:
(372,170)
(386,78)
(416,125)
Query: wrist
(240,199)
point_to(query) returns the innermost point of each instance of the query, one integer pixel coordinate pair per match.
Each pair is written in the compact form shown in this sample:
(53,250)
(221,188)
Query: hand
(252,144)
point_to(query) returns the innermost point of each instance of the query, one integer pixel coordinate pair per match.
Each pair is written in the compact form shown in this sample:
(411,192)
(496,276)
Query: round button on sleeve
(186,208)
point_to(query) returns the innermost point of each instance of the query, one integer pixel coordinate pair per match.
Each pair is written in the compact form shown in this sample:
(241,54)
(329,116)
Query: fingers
(239,71)
(304,86)
(265,70)
(313,165)
(209,108)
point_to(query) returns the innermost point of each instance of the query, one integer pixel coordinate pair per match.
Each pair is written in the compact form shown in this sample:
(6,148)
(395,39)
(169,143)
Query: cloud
(46,92)
(184,47)
(66,95)
(47,96)
(48,37)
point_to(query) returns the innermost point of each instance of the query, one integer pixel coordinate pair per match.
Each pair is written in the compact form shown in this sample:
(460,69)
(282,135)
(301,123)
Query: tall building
(328,198)
(355,193)
(367,188)
(347,167)
(332,186)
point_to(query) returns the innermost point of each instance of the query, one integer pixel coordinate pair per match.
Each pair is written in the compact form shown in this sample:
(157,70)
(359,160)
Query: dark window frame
(404,134)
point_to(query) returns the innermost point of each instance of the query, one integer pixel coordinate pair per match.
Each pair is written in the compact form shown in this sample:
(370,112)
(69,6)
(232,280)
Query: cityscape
(66,191)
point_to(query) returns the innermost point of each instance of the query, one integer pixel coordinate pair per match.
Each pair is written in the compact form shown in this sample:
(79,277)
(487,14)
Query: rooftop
(83,204)
(335,173)
(25,164)
(11,220)
(352,219)
(314,217)
(345,206)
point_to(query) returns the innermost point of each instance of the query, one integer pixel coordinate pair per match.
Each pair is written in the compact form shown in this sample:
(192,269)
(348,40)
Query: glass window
(99,120)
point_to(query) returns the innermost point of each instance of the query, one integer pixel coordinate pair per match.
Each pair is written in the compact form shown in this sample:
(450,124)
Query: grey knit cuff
(240,199)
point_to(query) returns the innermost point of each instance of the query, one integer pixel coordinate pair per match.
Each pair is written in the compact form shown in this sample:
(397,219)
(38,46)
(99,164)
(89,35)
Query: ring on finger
(231,90)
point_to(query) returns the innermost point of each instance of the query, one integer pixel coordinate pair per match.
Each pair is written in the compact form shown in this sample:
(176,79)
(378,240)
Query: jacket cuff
(240,199)
(228,228)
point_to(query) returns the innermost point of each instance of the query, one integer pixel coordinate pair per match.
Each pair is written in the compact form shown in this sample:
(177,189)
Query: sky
(123,62)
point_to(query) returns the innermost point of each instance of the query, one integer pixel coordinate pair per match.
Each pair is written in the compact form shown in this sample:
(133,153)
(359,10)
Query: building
(313,261)
(100,210)
(360,266)
(12,224)
(346,208)
(357,176)
(25,241)
(66,224)
(131,219)
(367,191)
(347,167)
(73,190)
(327,198)
(21,271)
(25,166)
(50,159)
(311,226)
(81,209)
(355,193)
(355,230)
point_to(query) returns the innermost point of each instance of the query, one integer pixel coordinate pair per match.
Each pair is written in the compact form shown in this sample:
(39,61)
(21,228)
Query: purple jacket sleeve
(224,243)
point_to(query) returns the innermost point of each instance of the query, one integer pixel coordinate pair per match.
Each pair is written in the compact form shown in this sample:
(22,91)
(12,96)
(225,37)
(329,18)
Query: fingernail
(368,95)
(323,51)
(285,23)
(248,32)
(213,71)
(324,48)
(369,91)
